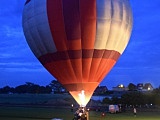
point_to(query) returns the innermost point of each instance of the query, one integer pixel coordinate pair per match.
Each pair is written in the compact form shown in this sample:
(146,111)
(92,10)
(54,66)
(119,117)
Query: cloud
(11,32)
(21,67)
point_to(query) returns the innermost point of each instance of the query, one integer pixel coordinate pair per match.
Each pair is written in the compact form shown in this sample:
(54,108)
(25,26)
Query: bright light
(82,99)
(82,96)
(121,86)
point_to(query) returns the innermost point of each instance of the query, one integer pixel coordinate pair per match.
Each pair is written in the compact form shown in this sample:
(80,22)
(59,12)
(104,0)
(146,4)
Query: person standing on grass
(134,111)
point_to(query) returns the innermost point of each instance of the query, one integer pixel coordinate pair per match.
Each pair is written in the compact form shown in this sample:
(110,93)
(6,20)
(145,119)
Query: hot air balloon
(77,41)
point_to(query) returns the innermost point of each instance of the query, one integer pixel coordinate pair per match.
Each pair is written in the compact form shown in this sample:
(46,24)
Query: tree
(56,86)
(133,98)
(5,90)
(33,88)
(48,89)
(21,89)
(116,100)
(27,88)
(107,101)
(156,91)
(45,90)
(155,98)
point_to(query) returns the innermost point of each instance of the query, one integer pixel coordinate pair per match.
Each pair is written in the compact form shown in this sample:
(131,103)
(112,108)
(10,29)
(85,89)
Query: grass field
(11,109)
(45,113)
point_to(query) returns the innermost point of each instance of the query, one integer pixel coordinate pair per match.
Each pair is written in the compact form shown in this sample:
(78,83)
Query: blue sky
(139,63)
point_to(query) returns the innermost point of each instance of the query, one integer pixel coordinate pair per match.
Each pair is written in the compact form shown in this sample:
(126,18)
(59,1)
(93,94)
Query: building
(120,87)
(147,87)
(140,86)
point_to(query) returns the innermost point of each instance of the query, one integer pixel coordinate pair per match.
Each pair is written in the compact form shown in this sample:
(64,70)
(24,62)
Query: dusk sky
(140,63)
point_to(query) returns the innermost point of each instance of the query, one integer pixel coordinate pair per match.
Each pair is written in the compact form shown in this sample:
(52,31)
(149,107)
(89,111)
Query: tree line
(29,87)
(130,97)
(136,98)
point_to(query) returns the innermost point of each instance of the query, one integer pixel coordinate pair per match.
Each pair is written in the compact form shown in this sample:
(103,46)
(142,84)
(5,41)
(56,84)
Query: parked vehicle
(113,108)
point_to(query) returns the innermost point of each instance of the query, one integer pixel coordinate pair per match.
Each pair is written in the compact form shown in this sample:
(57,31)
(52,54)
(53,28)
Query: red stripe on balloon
(88,23)
(88,31)
(56,24)
(57,27)
(76,54)
(72,19)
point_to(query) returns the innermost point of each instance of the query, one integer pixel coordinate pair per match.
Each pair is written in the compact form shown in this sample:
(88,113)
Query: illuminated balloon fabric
(77,41)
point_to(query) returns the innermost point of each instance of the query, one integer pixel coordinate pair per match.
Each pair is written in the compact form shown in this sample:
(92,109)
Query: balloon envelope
(78,41)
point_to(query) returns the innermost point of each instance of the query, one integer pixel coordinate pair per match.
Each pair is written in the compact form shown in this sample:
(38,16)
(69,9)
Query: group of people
(80,114)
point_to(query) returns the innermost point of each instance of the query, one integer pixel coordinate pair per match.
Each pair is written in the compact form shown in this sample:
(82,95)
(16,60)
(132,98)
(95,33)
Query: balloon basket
(81,114)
